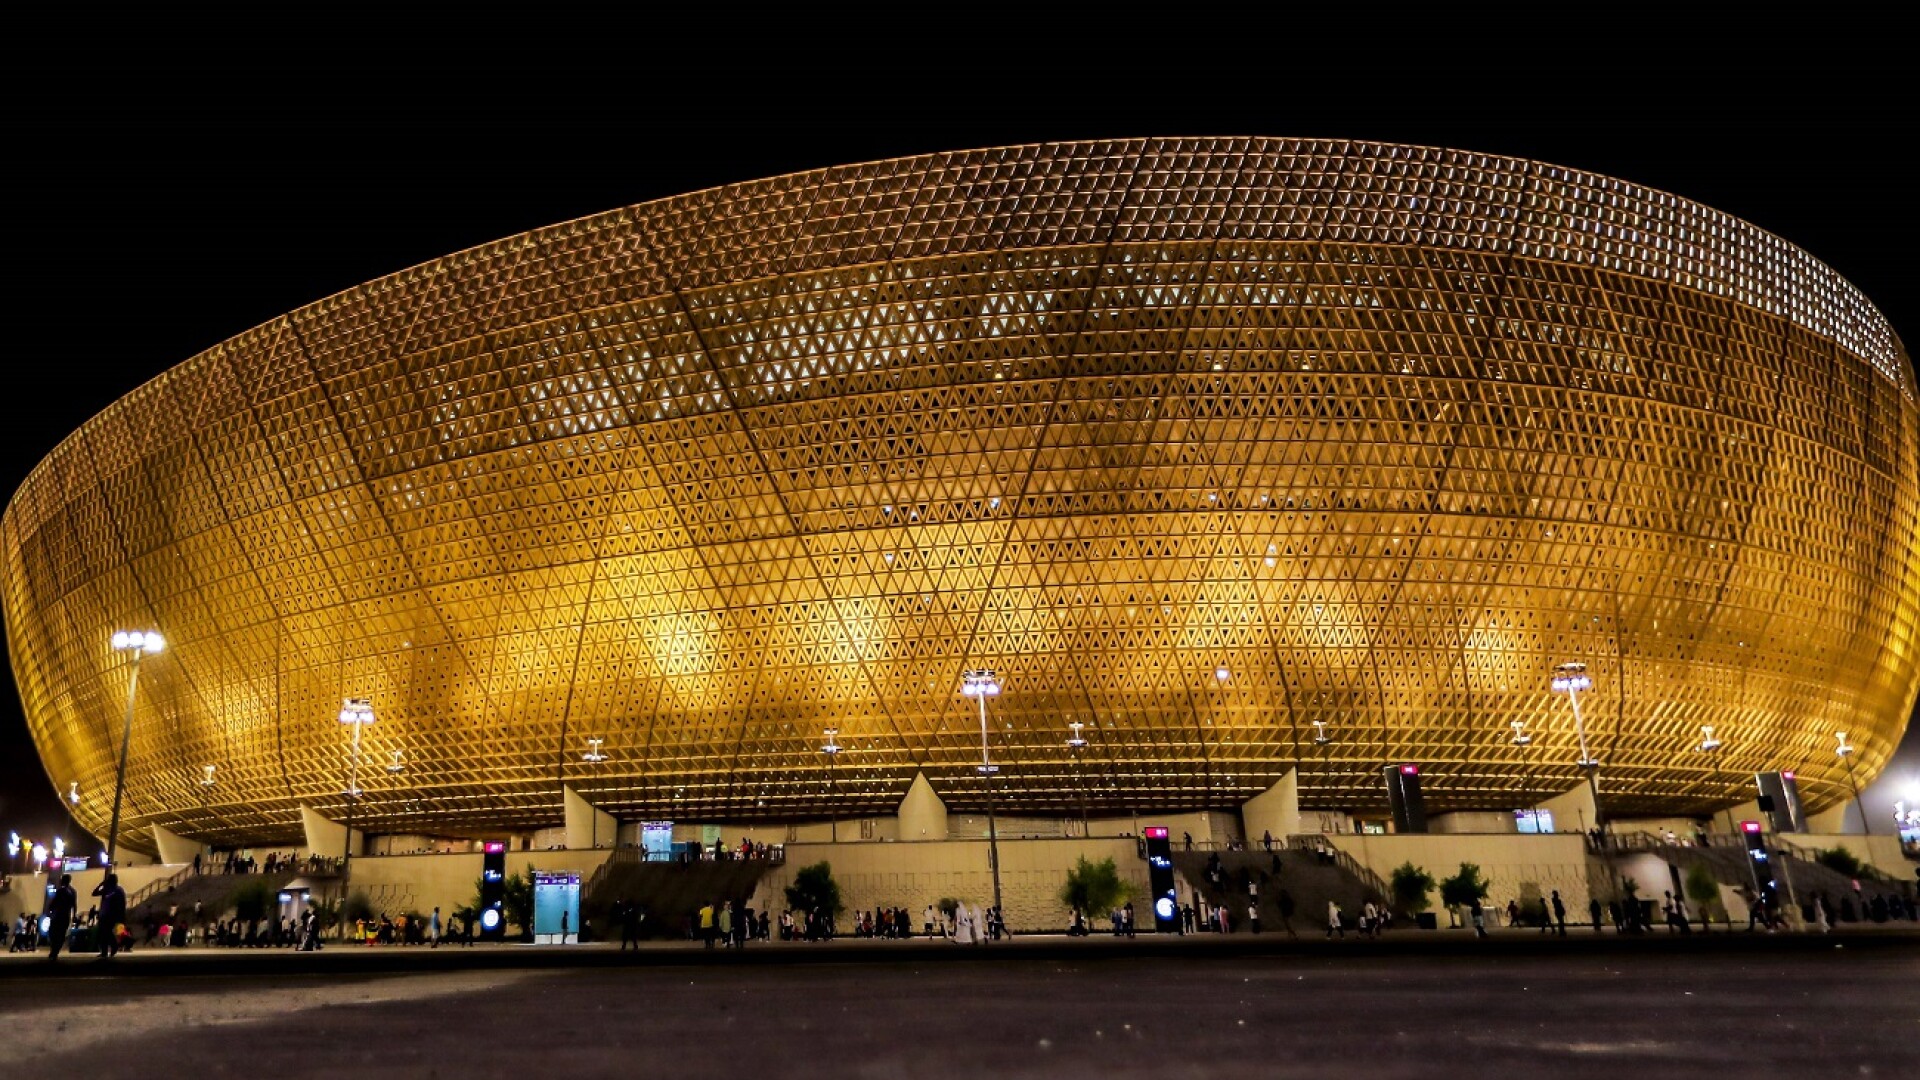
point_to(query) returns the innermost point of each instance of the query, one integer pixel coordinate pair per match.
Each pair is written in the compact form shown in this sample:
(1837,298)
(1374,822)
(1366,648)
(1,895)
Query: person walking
(1333,920)
(563,926)
(1126,918)
(1559,913)
(60,909)
(1593,912)
(725,915)
(433,929)
(630,916)
(1266,840)
(1479,915)
(706,924)
(1284,902)
(113,912)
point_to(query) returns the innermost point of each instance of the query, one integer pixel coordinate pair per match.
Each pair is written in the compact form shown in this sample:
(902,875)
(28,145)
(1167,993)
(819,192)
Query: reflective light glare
(146,641)
(73,793)
(979,683)
(356,710)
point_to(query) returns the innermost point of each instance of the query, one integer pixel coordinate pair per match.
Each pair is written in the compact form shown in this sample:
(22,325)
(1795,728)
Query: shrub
(1463,888)
(814,891)
(1841,861)
(1093,887)
(1410,885)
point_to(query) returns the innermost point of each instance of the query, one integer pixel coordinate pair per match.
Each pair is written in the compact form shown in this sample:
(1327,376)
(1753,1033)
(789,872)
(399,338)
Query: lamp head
(356,710)
(144,641)
(981,682)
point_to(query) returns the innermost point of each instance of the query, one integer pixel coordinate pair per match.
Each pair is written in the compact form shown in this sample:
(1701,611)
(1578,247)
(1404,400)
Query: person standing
(113,912)
(1253,917)
(1479,915)
(1126,918)
(630,917)
(60,909)
(1333,920)
(1559,913)
(1285,904)
(706,924)
(433,929)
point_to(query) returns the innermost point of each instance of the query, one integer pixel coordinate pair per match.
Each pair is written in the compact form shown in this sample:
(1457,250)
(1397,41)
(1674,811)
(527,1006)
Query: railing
(1317,845)
(155,888)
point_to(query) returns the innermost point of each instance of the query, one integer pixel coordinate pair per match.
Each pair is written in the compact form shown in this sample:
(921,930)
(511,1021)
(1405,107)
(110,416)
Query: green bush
(1410,885)
(1093,887)
(814,891)
(1841,861)
(1463,888)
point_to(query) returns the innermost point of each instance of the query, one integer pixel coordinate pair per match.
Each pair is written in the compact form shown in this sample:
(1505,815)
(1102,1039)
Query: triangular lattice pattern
(1196,442)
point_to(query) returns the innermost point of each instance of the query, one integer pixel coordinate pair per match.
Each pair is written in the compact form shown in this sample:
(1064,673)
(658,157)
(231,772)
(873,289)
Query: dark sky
(152,217)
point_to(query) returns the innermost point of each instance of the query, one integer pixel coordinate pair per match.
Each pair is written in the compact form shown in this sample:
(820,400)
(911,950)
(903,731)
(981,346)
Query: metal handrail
(154,888)
(1316,843)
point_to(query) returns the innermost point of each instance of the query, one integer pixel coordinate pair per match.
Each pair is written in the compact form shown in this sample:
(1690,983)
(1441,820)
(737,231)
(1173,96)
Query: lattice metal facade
(1197,442)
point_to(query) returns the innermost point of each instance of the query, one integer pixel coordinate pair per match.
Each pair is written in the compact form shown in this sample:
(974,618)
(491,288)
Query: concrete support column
(922,815)
(325,838)
(588,826)
(176,850)
(1572,811)
(1275,810)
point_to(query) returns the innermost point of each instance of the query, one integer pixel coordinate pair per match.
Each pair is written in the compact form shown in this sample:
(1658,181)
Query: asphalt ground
(1434,1004)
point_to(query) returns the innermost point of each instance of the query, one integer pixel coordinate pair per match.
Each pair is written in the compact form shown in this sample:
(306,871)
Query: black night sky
(154,216)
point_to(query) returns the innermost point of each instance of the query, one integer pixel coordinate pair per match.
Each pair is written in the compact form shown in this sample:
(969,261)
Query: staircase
(1799,874)
(669,892)
(213,891)
(1311,882)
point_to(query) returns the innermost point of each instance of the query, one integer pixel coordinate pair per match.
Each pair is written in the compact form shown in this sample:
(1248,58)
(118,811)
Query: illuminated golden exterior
(1197,442)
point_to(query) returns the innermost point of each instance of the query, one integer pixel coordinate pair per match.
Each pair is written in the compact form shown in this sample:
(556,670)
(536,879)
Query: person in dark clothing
(1593,912)
(60,908)
(629,918)
(113,912)
(1285,902)
(1559,913)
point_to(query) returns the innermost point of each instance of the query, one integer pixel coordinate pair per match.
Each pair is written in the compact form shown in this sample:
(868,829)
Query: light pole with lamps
(595,756)
(1077,742)
(139,643)
(1845,750)
(832,750)
(1570,679)
(981,684)
(359,713)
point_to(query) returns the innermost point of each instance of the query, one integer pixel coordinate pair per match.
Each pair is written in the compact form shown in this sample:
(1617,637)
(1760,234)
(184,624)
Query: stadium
(1239,462)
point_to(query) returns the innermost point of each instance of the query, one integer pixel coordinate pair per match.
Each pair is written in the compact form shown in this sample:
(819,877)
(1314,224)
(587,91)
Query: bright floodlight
(146,641)
(1222,674)
(1707,740)
(830,747)
(1320,733)
(979,683)
(1571,678)
(356,710)
(206,776)
(1845,747)
(73,793)
(398,763)
(1520,736)
(1076,740)
(593,751)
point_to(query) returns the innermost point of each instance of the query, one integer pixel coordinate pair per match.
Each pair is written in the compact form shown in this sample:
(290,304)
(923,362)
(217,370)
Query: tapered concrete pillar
(1572,810)
(922,815)
(175,850)
(1835,819)
(326,838)
(588,826)
(1275,810)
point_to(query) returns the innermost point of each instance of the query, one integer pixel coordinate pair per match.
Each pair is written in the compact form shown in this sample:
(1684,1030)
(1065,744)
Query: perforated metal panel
(1196,442)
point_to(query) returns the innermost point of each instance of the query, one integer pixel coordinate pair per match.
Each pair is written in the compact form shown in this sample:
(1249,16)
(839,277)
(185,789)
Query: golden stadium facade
(1211,445)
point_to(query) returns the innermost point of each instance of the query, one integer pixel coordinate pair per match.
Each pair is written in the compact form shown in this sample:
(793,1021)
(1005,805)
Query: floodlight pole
(357,712)
(980,685)
(139,643)
(1845,750)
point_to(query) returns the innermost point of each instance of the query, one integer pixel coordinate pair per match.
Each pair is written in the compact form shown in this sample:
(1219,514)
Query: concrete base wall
(400,883)
(915,875)
(1514,865)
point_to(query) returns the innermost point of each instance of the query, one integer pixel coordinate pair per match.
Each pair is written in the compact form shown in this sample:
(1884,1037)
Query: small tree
(1463,888)
(516,897)
(814,891)
(1410,885)
(1703,890)
(1841,861)
(253,900)
(1093,887)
